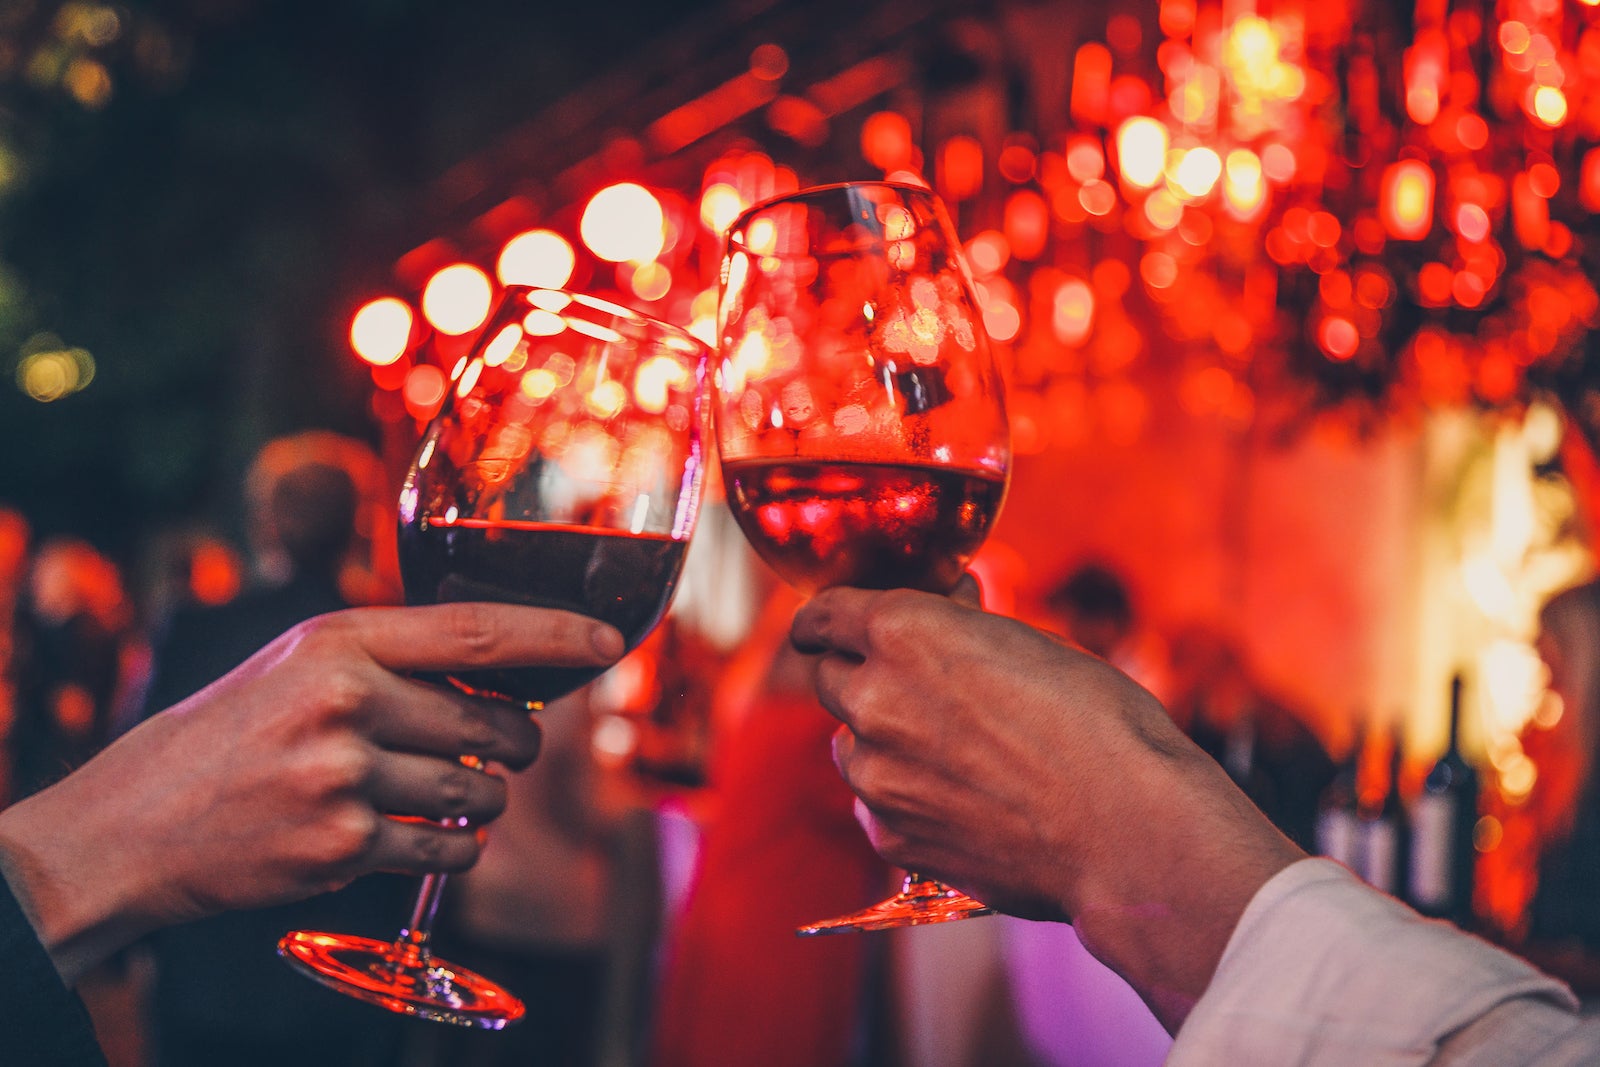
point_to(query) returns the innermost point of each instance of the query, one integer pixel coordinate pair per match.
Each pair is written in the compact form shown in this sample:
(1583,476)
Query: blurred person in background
(1264,745)
(79,621)
(221,995)
(780,848)
(1095,608)
(1564,915)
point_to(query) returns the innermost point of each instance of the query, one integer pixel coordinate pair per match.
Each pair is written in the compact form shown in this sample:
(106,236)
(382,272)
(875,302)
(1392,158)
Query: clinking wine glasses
(860,416)
(563,471)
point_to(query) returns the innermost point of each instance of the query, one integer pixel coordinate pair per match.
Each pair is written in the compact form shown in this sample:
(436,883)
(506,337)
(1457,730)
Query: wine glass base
(400,978)
(919,903)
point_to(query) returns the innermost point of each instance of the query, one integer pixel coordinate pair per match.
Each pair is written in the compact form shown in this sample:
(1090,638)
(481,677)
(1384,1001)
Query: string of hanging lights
(1261,211)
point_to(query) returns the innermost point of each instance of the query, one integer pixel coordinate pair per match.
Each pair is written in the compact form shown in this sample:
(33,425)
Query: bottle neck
(1455,715)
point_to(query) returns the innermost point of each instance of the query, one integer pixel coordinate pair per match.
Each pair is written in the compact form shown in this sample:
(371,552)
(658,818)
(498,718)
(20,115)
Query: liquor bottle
(1386,831)
(1338,807)
(1444,818)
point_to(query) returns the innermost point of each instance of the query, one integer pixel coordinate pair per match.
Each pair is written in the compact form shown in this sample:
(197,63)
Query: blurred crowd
(641,890)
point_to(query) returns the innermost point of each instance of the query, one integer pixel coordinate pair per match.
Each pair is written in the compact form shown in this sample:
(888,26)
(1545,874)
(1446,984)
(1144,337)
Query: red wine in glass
(868,524)
(622,578)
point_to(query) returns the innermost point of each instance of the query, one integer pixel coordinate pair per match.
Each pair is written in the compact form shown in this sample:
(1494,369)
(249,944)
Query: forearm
(1175,864)
(60,864)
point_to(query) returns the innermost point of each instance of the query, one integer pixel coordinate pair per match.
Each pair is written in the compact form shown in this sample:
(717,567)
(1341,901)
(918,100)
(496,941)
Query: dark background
(207,233)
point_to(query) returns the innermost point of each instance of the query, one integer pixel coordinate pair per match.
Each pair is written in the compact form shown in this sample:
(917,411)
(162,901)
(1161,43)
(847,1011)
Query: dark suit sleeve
(42,1022)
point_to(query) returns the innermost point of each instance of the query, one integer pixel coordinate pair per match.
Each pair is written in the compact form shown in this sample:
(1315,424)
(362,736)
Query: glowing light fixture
(537,257)
(1141,151)
(380,332)
(1407,201)
(456,299)
(624,223)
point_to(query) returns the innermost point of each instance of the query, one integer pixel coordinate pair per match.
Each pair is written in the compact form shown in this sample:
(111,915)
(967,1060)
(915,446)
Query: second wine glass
(860,416)
(564,471)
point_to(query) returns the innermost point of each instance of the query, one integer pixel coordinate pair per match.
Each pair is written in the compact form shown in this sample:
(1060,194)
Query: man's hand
(1039,779)
(280,780)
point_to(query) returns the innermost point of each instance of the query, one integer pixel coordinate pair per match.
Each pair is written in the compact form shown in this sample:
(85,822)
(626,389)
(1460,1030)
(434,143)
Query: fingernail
(606,641)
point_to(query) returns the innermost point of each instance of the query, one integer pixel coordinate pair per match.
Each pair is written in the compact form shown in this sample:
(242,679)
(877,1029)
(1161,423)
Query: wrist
(1176,865)
(65,878)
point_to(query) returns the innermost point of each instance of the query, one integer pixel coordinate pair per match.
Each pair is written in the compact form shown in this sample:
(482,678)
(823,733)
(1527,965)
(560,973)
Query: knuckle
(476,733)
(890,617)
(344,693)
(472,629)
(349,832)
(860,697)
(339,768)
(454,793)
(864,776)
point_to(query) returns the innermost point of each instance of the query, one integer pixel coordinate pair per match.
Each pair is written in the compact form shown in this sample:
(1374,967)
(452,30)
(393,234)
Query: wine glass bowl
(860,415)
(563,471)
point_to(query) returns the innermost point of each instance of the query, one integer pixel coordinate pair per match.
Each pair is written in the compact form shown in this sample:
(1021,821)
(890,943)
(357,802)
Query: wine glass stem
(412,947)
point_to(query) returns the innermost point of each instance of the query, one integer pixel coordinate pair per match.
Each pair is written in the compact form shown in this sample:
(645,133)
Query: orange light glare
(1142,151)
(1589,180)
(1091,84)
(988,252)
(1197,173)
(720,204)
(1407,202)
(886,141)
(1514,37)
(381,331)
(624,223)
(1242,187)
(1072,315)
(1530,212)
(650,282)
(537,257)
(1163,210)
(1472,131)
(1472,222)
(1177,17)
(1001,320)
(1544,180)
(456,299)
(1337,337)
(1158,269)
(1085,160)
(960,167)
(424,391)
(1550,105)
(1027,224)
(1278,163)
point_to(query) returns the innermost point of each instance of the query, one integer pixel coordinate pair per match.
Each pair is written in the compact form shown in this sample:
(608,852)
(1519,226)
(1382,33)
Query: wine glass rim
(815,191)
(610,307)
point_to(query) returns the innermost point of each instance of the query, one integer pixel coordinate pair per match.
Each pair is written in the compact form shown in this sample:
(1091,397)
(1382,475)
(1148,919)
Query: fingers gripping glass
(563,472)
(860,417)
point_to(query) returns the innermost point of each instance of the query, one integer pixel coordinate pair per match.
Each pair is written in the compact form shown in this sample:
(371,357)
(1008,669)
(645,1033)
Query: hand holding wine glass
(563,472)
(860,416)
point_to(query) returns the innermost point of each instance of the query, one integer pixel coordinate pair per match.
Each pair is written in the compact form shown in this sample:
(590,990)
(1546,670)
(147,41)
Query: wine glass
(860,417)
(563,472)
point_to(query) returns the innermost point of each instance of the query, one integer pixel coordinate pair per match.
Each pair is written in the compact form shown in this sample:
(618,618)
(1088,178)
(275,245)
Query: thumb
(967,591)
